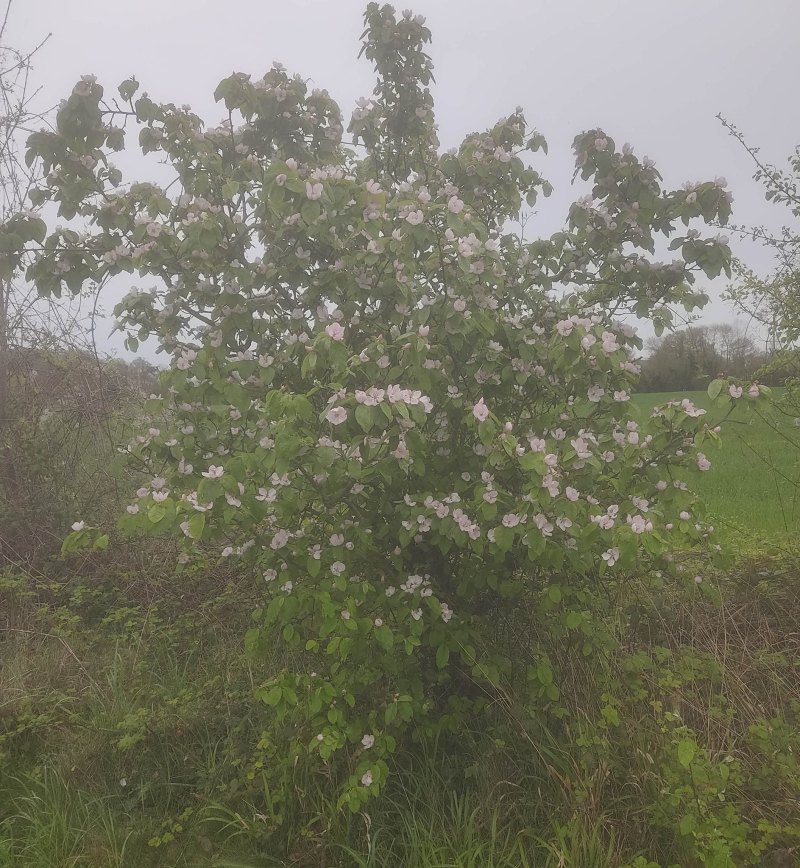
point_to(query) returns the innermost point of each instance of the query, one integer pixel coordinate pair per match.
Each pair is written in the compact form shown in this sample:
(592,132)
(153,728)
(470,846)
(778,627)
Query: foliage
(128,722)
(57,398)
(401,415)
(772,301)
(686,359)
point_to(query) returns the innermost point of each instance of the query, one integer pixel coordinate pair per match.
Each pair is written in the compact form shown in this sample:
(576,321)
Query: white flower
(480,411)
(455,205)
(702,462)
(279,540)
(596,393)
(213,472)
(639,524)
(416,614)
(735,391)
(336,415)
(368,741)
(337,568)
(313,191)
(611,556)
(334,331)
(366,779)
(415,217)
(78,525)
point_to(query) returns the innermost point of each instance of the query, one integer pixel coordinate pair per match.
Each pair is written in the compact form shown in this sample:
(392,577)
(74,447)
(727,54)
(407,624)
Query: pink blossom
(336,415)
(565,327)
(313,191)
(596,393)
(735,391)
(639,524)
(611,556)
(455,205)
(335,331)
(480,411)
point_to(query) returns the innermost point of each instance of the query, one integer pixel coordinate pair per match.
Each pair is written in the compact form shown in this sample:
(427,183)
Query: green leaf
(209,490)
(486,432)
(442,656)
(504,538)
(310,211)
(714,388)
(274,695)
(156,512)
(385,636)
(364,416)
(230,189)
(197,524)
(686,752)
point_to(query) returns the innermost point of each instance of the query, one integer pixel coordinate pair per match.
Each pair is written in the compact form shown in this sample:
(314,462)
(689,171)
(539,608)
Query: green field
(753,487)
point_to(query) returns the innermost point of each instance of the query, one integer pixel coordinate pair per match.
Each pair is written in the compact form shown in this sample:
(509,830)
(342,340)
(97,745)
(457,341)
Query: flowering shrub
(400,413)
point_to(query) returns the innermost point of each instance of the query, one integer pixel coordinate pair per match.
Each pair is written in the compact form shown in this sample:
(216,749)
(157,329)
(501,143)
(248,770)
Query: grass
(753,488)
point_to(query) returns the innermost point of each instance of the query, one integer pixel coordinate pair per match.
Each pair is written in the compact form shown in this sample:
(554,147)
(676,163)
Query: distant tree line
(689,359)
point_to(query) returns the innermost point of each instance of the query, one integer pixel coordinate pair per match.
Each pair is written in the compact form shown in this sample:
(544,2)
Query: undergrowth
(130,736)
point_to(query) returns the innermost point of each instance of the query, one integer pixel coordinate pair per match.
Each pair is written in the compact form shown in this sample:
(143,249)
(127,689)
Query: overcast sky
(653,72)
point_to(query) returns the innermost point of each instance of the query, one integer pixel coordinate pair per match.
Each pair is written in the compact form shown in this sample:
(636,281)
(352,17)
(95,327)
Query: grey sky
(652,72)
